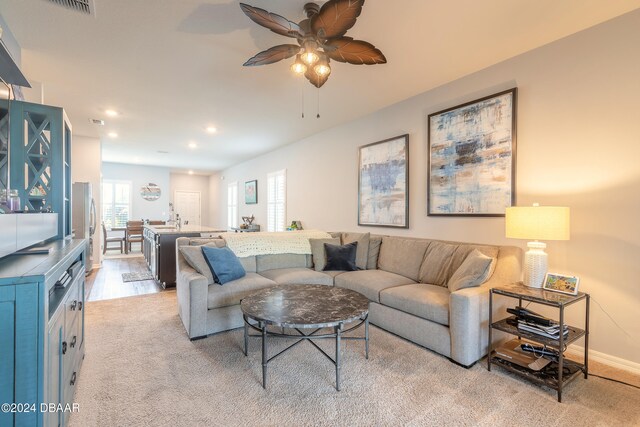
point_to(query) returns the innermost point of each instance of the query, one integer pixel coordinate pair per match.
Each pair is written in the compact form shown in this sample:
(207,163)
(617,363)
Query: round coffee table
(299,307)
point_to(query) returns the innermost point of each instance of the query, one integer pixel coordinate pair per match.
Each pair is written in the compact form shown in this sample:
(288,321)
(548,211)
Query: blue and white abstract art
(471,157)
(383,197)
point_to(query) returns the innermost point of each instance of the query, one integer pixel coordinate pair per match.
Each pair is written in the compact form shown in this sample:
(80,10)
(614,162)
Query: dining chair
(107,240)
(133,234)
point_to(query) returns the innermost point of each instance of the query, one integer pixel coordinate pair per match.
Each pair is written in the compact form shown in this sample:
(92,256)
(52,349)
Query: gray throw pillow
(195,258)
(374,251)
(474,271)
(362,254)
(318,251)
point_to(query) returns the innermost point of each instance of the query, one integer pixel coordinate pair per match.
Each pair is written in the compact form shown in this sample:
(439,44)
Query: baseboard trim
(606,359)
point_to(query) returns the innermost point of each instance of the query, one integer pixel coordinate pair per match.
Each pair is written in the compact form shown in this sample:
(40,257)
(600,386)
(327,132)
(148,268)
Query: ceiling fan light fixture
(322,67)
(310,55)
(299,67)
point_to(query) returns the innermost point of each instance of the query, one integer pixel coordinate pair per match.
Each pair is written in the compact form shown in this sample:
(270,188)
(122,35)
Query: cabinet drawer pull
(73,379)
(64,347)
(79,305)
(74,304)
(73,342)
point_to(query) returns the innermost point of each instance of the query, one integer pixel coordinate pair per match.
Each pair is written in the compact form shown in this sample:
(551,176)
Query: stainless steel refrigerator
(83,214)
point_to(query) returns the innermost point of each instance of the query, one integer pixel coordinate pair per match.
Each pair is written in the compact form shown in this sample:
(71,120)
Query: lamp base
(535,264)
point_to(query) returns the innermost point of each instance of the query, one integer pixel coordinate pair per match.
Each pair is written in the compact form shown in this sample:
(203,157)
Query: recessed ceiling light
(136,159)
(112,135)
(211,129)
(193,145)
(190,172)
(111,113)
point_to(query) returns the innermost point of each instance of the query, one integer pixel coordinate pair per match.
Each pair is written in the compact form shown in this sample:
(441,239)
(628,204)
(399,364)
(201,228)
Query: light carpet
(141,369)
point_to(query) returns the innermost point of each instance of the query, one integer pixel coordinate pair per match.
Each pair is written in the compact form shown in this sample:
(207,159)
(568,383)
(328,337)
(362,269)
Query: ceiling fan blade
(358,52)
(315,79)
(335,18)
(276,23)
(274,54)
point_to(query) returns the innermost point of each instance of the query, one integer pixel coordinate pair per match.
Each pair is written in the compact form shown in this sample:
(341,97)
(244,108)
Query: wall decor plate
(472,157)
(383,183)
(150,192)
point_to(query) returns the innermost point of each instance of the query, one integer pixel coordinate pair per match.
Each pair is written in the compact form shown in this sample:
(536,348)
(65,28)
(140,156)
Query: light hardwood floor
(106,282)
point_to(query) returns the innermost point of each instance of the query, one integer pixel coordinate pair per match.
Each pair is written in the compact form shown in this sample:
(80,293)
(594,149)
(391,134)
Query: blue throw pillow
(223,263)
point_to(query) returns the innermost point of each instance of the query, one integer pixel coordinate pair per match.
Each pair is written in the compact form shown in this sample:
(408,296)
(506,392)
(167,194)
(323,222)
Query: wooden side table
(551,299)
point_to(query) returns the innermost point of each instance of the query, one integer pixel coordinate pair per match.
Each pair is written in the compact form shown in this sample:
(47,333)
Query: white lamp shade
(537,222)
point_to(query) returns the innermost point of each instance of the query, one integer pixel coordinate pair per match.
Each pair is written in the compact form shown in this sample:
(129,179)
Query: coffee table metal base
(338,332)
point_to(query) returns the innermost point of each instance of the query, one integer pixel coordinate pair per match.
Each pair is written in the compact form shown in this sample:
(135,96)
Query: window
(276,200)
(232,205)
(116,203)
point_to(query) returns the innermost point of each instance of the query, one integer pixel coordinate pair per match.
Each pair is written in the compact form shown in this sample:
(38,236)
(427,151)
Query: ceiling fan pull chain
(302,96)
(318,116)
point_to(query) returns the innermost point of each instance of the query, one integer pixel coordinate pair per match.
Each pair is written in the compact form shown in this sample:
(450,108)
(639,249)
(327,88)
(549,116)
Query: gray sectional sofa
(405,280)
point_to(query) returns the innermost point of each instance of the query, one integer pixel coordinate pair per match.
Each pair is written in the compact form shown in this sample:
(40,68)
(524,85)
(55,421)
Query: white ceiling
(173,67)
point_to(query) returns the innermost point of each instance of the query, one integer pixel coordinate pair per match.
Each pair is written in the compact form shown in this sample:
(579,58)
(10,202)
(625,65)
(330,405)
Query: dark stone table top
(539,295)
(305,306)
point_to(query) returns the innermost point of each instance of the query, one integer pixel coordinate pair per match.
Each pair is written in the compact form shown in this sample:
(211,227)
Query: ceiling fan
(321,37)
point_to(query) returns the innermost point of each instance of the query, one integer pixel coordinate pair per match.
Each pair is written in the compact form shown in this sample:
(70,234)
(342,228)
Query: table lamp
(536,223)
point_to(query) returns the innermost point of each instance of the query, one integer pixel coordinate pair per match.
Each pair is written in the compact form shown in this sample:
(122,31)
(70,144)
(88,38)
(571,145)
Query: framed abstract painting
(472,157)
(383,183)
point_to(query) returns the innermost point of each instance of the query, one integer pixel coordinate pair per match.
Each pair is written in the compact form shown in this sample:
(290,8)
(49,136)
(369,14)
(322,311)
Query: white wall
(578,145)
(142,175)
(199,183)
(216,219)
(86,158)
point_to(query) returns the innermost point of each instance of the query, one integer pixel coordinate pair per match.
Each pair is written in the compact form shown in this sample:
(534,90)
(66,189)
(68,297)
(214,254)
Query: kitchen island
(159,248)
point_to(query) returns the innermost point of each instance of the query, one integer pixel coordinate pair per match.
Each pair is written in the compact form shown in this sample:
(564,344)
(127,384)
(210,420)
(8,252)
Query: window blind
(276,200)
(232,205)
(116,203)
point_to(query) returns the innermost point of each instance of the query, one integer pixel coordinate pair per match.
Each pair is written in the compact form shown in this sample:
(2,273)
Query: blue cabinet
(38,158)
(41,333)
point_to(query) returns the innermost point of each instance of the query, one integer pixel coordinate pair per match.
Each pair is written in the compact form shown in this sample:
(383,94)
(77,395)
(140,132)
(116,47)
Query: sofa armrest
(469,323)
(192,288)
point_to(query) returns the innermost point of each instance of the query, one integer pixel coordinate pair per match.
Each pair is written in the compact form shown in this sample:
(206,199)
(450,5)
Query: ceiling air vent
(83,6)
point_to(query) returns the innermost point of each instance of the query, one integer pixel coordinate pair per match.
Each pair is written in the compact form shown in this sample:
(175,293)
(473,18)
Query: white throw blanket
(265,243)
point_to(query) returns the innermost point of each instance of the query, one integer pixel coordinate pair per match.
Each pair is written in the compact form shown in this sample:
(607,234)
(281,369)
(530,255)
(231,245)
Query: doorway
(187,205)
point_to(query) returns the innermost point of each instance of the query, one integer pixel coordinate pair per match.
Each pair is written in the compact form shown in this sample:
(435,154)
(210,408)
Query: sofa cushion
(336,235)
(277,261)
(194,257)
(318,253)
(374,252)
(437,263)
(429,302)
(370,282)
(341,257)
(333,273)
(402,256)
(462,252)
(211,241)
(474,271)
(224,264)
(233,292)
(298,276)
(362,254)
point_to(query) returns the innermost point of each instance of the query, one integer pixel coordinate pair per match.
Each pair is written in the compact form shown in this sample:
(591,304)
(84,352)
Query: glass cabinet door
(4,148)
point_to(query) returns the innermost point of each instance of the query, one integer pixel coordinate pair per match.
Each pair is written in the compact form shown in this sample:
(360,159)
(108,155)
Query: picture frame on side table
(383,183)
(251,192)
(560,283)
(472,157)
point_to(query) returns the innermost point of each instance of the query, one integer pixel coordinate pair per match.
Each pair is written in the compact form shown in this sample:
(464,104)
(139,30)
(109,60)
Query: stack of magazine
(529,321)
(552,331)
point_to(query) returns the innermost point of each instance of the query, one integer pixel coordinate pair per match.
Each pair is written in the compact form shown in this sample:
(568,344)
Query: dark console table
(560,301)
(298,307)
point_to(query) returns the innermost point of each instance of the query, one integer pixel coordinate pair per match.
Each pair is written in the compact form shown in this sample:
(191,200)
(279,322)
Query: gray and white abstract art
(383,197)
